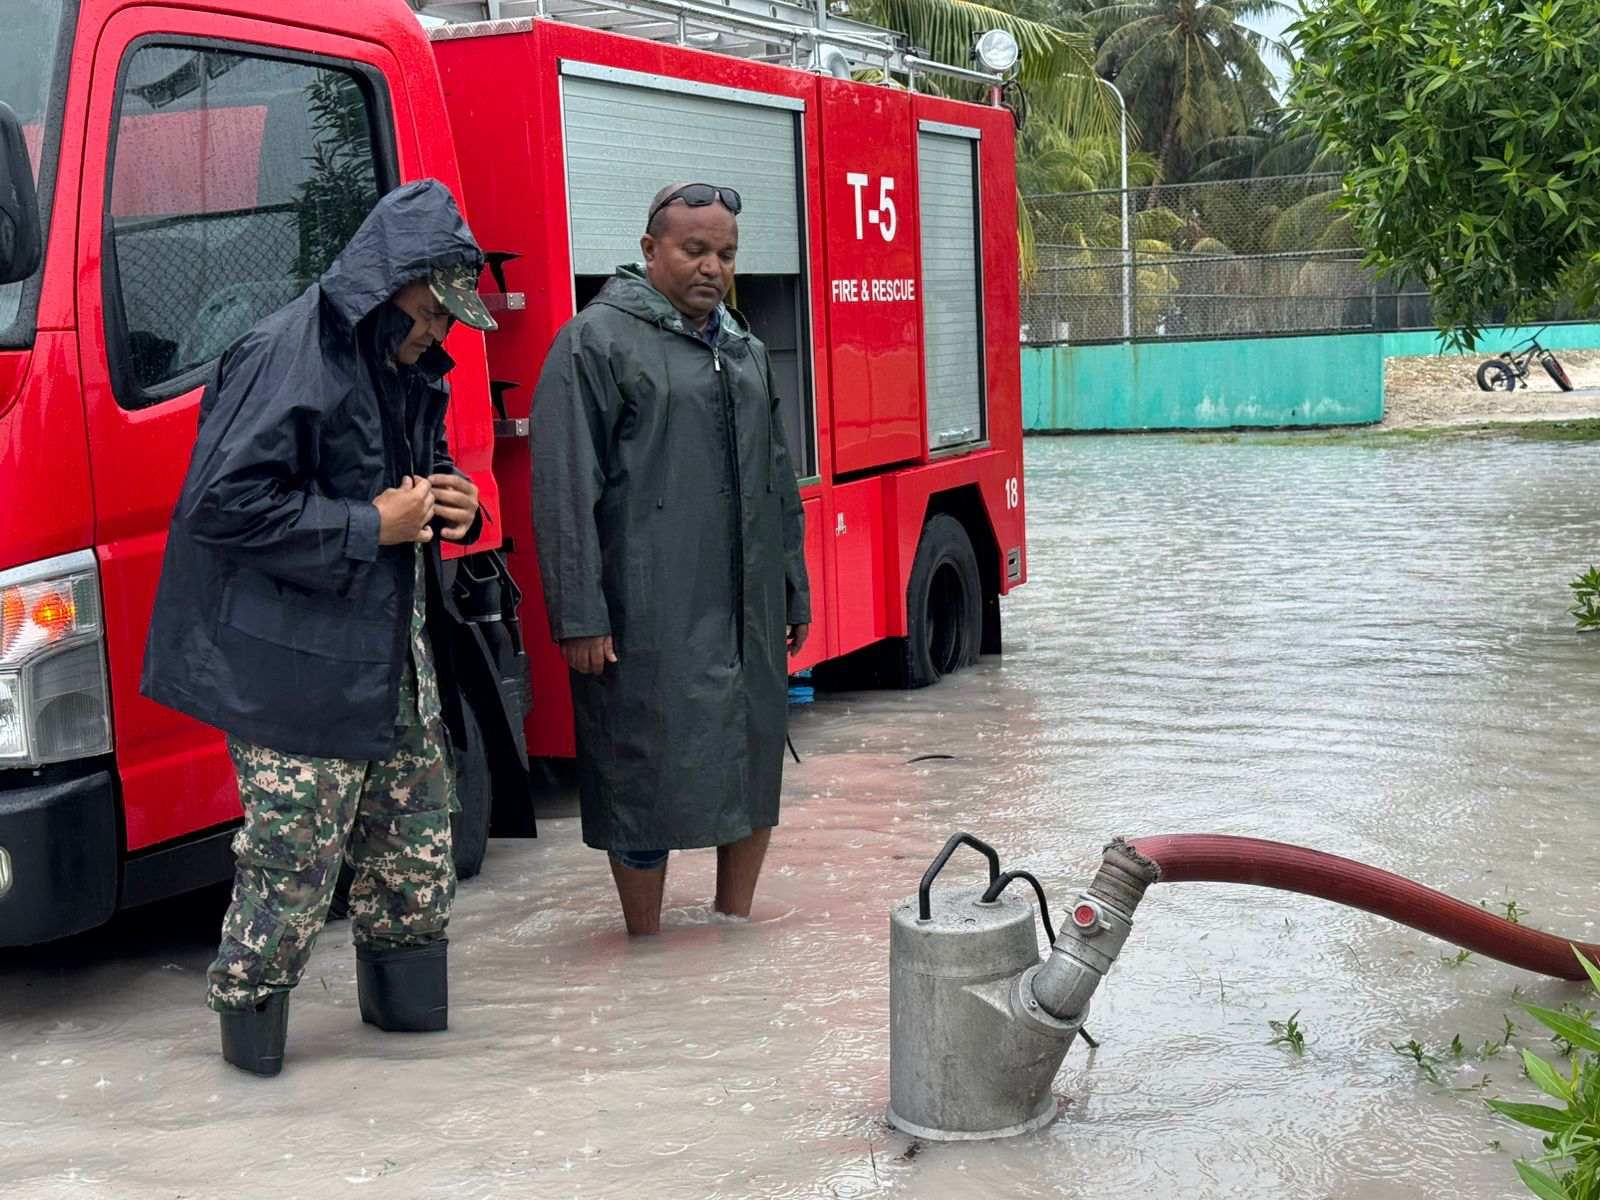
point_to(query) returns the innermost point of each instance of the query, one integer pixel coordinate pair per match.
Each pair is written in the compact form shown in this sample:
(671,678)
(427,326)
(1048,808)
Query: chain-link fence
(1232,258)
(190,284)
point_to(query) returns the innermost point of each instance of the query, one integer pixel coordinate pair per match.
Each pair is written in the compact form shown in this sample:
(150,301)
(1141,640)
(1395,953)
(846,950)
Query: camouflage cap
(457,289)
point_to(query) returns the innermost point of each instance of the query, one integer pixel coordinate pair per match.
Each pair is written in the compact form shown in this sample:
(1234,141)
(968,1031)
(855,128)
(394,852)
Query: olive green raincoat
(666,515)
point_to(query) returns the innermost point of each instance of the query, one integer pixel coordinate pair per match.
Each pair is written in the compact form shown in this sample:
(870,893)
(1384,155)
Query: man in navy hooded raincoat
(301,576)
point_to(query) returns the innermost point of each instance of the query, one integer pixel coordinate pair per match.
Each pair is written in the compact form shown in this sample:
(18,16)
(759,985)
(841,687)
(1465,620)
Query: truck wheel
(469,828)
(944,605)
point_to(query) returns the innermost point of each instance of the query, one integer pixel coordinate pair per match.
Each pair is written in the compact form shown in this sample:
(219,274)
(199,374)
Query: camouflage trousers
(390,819)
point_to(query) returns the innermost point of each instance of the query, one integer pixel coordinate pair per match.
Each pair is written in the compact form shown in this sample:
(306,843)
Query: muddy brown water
(1361,649)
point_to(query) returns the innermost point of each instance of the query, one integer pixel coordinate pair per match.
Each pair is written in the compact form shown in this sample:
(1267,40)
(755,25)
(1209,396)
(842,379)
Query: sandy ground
(1443,390)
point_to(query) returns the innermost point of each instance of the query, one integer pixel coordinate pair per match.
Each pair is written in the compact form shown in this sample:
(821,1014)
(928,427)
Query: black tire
(1556,372)
(469,828)
(1497,375)
(879,665)
(944,605)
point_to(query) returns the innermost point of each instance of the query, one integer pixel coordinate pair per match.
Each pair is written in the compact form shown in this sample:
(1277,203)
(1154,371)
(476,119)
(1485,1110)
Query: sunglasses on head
(698,195)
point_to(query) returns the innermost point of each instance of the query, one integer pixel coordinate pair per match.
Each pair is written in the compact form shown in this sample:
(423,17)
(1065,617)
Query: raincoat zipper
(732,438)
(732,445)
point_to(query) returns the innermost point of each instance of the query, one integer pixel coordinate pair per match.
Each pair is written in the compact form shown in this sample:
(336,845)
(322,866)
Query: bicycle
(1503,373)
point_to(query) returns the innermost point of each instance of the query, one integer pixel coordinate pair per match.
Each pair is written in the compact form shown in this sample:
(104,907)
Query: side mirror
(21,238)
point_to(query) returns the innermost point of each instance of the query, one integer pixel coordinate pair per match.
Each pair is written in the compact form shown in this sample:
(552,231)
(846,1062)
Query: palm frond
(1055,65)
(1027,244)
(1304,222)
(1255,9)
(1191,70)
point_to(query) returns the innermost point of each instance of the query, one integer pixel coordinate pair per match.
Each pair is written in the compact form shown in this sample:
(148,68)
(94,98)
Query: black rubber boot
(252,1038)
(405,989)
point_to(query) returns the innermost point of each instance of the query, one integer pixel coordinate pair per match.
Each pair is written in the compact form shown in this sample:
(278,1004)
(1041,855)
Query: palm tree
(1052,161)
(1274,145)
(1189,70)
(1056,67)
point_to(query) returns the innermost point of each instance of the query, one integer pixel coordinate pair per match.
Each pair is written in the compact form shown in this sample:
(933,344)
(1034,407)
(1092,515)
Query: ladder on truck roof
(794,33)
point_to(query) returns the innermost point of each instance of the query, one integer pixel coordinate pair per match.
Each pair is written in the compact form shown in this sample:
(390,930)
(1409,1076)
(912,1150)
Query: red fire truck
(198,162)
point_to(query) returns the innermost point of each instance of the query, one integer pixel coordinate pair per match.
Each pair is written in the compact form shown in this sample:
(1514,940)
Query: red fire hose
(1216,858)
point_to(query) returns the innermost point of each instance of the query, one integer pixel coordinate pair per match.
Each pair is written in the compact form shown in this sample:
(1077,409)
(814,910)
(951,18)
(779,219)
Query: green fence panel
(1492,341)
(1273,382)
(1336,379)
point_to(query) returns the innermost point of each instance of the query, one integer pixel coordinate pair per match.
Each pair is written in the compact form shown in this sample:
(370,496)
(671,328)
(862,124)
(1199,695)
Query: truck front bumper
(58,854)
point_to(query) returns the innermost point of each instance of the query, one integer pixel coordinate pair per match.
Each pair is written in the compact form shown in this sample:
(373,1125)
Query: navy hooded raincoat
(279,618)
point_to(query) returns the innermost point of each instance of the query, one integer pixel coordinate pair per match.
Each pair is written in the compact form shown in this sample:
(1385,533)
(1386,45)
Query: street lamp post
(1127,239)
(1127,242)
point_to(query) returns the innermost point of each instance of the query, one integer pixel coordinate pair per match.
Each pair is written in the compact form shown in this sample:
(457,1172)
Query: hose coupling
(1100,920)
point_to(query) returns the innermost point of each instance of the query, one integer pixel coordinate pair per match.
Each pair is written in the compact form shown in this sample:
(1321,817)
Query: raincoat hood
(280,615)
(412,230)
(630,291)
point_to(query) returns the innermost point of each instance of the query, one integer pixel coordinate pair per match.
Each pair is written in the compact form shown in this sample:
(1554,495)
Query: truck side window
(236,179)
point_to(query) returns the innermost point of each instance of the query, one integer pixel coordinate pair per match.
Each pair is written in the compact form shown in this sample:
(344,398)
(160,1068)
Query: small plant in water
(1586,599)
(1457,959)
(1288,1033)
(1491,1048)
(1428,1063)
(1512,911)
(1570,1167)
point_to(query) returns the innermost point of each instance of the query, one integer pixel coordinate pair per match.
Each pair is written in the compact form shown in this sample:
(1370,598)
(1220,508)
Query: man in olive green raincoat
(672,554)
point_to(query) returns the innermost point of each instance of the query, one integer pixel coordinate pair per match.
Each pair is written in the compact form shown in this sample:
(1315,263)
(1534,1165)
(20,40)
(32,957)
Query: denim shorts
(639,860)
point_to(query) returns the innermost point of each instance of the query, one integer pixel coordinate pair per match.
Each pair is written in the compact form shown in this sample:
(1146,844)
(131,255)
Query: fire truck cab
(196,166)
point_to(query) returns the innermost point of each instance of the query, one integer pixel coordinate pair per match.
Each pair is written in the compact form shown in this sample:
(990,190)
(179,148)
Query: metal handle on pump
(996,886)
(967,1057)
(924,907)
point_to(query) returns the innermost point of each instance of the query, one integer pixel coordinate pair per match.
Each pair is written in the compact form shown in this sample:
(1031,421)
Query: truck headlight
(54,700)
(13,742)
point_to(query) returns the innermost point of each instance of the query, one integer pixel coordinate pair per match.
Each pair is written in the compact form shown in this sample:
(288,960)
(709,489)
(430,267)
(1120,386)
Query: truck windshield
(31,82)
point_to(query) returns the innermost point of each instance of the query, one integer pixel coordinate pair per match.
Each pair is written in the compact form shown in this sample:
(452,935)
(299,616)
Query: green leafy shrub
(1570,1167)
(1586,599)
(1469,133)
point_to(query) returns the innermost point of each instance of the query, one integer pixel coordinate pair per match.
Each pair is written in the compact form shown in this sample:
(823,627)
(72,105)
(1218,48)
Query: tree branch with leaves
(1471,130)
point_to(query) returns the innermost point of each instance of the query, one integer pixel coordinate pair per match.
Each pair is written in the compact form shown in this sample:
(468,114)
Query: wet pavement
(1355,647)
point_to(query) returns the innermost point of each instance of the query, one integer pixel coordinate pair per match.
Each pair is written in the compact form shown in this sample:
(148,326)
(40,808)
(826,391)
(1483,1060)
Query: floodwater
(1360,649)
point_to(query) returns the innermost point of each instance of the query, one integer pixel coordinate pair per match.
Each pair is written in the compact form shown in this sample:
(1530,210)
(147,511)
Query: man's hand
(797,637)
(588,655)
(405,511)
(457,500)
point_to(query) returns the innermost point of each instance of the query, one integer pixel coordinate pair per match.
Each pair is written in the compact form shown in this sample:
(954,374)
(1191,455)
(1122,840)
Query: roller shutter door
(951,283)
(625,141)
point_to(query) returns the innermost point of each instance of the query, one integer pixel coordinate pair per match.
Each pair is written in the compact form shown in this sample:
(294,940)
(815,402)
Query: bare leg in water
(738,868)
(640,893)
